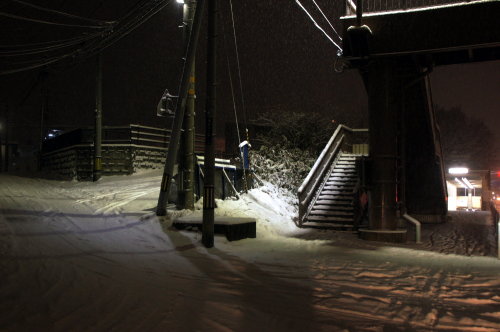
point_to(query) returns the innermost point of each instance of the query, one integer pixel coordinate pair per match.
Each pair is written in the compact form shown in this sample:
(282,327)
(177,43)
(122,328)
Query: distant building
(468,189)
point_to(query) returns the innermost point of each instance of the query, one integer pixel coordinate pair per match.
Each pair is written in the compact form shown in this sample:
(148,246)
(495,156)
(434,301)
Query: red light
(498,174)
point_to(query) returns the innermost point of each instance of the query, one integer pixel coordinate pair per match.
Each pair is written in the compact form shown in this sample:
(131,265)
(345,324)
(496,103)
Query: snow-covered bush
(283,167)
(290,147)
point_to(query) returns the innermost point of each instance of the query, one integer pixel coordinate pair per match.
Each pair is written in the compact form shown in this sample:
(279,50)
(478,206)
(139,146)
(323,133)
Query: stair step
(345,166)
(340,182)
(326,225)
(335,197)
(338,187)
(329,219)
(335,207)
(335,202)
(349,175)
(328,213)
(345,170)
(336,192)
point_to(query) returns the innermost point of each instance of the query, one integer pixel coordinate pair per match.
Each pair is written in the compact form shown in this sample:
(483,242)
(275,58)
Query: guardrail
(371,6)
(342,140)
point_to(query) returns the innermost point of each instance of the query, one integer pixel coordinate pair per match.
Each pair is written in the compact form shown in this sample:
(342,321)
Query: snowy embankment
(93,256)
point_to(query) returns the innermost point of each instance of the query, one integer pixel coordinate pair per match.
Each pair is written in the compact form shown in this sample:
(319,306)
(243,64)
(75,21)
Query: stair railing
(341,140)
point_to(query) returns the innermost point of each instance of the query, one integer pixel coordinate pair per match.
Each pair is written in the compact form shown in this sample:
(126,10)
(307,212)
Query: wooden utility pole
(185,194)
(173,145)
(208,190)
(98,122)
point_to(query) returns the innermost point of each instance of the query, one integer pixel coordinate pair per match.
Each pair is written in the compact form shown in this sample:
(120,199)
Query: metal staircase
(334,204)
(328,197)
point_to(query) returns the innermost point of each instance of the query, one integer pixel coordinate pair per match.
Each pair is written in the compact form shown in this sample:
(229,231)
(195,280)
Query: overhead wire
(318,26)
(50,48)
(50,42)
(239,67)
(29,19)
(142,11)
(27,4)
(245,180)
(327,20)
(127,29)
(230,78)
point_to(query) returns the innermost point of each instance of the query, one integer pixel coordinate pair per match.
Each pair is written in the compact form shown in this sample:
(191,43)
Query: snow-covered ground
(94,257)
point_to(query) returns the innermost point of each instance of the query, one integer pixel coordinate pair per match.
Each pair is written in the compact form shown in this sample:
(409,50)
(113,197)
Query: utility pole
(208,190)
(173,145)
(98,122)
(6,137)
(43,110)
(2,126)
(185,192)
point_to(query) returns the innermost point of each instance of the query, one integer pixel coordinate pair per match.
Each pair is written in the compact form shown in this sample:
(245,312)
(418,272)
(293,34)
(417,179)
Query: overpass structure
(395,44)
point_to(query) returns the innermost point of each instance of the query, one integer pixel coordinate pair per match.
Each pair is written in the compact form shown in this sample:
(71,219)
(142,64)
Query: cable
(113,38)
(239,68)
(38,65)
(51,42)
(317,25)
(22,18)
(47,48)
(61,13)
(142,11)
(327,19)
(230,78)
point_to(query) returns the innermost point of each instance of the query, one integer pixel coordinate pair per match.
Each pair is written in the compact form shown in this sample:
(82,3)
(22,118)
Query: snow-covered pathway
(92,256)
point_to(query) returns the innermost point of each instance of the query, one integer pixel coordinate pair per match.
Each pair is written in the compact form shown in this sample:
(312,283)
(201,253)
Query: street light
(458,170)
(180,1)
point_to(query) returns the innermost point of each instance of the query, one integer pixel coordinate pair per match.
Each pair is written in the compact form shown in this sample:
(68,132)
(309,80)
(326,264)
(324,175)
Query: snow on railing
(371,6)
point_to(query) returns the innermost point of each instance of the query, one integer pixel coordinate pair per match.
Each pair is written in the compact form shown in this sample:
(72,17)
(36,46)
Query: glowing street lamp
(458,170)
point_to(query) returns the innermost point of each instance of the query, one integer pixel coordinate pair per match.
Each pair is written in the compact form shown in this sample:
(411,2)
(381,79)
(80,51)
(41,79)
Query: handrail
(418,226)
(373,6)
(317,173)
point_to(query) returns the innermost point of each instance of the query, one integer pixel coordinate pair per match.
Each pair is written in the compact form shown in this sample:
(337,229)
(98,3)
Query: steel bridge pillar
(384,86)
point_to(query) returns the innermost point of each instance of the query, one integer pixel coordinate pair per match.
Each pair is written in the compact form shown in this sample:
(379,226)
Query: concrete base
(396,236)
(235,228)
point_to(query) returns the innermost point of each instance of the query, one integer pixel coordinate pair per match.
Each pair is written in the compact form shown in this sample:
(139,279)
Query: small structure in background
(468,189)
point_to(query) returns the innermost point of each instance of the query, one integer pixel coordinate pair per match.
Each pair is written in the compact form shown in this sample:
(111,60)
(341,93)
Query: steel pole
(359,12)
(208,190)
(98,122)
(173,145)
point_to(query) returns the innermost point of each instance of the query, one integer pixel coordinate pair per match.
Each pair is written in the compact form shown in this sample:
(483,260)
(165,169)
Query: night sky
(285,61)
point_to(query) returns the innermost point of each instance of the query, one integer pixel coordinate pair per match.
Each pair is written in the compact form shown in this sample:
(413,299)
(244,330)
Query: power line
(51,48)
(60,13)
(317,25)
(230,79)
(239,67)
(140,13)
(29,19)
(50,42)
(327,19)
